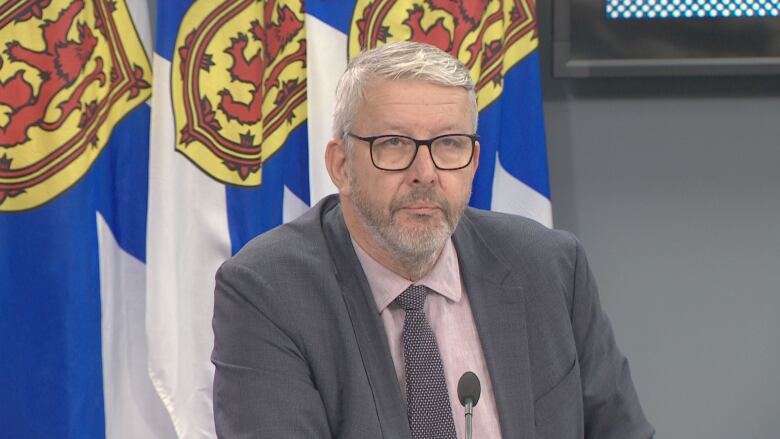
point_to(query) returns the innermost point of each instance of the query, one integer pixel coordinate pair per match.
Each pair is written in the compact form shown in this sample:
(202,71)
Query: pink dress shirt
(449,314)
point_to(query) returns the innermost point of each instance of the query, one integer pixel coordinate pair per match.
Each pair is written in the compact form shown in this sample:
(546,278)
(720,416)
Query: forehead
(413,105)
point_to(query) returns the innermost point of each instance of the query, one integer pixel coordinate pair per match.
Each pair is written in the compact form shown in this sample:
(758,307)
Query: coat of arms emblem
(69,72)
(238,84)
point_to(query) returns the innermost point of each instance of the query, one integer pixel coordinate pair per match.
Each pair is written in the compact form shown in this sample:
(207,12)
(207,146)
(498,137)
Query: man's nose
(423,170)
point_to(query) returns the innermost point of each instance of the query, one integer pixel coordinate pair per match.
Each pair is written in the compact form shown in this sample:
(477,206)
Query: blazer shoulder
(288,248)
(513,236)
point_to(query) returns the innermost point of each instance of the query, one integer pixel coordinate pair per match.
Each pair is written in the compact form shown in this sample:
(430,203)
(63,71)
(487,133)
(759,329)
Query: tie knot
(413,298)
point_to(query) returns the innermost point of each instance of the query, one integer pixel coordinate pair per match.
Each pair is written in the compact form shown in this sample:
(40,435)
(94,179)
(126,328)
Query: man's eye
(393,141)
(448,141)
(452,142)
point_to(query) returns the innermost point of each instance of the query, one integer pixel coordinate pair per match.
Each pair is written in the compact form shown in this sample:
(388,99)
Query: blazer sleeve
(611,405)
(262,383)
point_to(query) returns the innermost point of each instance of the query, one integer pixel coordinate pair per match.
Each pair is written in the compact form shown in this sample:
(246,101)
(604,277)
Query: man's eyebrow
(398,129)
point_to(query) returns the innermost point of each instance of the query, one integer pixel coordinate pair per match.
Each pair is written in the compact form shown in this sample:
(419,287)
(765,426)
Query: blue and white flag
(75,80)
(116,208)
(228,161)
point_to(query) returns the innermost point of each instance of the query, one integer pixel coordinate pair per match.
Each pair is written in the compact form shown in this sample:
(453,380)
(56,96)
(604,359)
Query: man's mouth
(421,208)
(420,204)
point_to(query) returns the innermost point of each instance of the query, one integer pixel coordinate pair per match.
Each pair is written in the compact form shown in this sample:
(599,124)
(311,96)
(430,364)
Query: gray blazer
(300,350)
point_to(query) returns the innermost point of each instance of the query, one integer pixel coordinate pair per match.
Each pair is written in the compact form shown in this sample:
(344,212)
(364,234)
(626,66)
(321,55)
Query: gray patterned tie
(428,403)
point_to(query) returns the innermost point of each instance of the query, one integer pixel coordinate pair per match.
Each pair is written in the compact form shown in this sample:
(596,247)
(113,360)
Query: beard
(417,238)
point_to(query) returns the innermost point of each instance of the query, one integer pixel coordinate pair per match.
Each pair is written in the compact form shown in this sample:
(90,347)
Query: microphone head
(469,388)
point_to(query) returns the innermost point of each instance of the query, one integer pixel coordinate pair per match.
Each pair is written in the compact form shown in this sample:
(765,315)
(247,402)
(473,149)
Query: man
(357,320)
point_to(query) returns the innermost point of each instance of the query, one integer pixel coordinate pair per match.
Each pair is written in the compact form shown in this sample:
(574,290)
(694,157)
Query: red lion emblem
(252,70)
(59,64)
(257,52)
(65,71)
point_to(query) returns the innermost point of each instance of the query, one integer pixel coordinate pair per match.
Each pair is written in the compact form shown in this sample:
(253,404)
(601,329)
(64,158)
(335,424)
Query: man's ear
(336,163)
(475,159)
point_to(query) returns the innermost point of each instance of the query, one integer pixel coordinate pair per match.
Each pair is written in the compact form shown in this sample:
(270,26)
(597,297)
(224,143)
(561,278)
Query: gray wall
(672,185)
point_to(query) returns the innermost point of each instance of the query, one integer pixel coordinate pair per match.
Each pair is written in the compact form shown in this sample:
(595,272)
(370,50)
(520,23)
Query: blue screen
(693,9)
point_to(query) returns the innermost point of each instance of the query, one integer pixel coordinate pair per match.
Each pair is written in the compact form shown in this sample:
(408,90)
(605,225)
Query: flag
(228,160)
(74,82)
(122,192)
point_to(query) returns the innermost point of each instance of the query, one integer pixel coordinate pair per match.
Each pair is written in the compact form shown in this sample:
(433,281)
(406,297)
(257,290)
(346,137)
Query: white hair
(398,60)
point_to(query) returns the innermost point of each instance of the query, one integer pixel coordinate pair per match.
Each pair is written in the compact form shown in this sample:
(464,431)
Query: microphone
(468,394)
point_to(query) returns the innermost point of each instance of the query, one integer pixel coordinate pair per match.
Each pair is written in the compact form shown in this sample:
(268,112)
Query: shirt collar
(386,285)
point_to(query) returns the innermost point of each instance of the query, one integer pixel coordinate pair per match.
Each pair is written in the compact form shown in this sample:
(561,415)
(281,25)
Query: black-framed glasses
(394,152)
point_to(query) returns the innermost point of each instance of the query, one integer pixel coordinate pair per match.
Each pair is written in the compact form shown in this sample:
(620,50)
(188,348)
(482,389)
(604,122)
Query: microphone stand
(469,415)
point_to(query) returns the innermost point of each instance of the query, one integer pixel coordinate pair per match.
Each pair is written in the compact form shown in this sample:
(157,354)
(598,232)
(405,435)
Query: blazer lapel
(368,327)
(496,298)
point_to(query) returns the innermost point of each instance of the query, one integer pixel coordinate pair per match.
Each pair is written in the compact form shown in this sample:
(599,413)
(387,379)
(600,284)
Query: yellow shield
(72,70)
(238,84)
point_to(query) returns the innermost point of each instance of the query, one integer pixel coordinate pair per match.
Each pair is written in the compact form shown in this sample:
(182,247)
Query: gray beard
(415,248)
